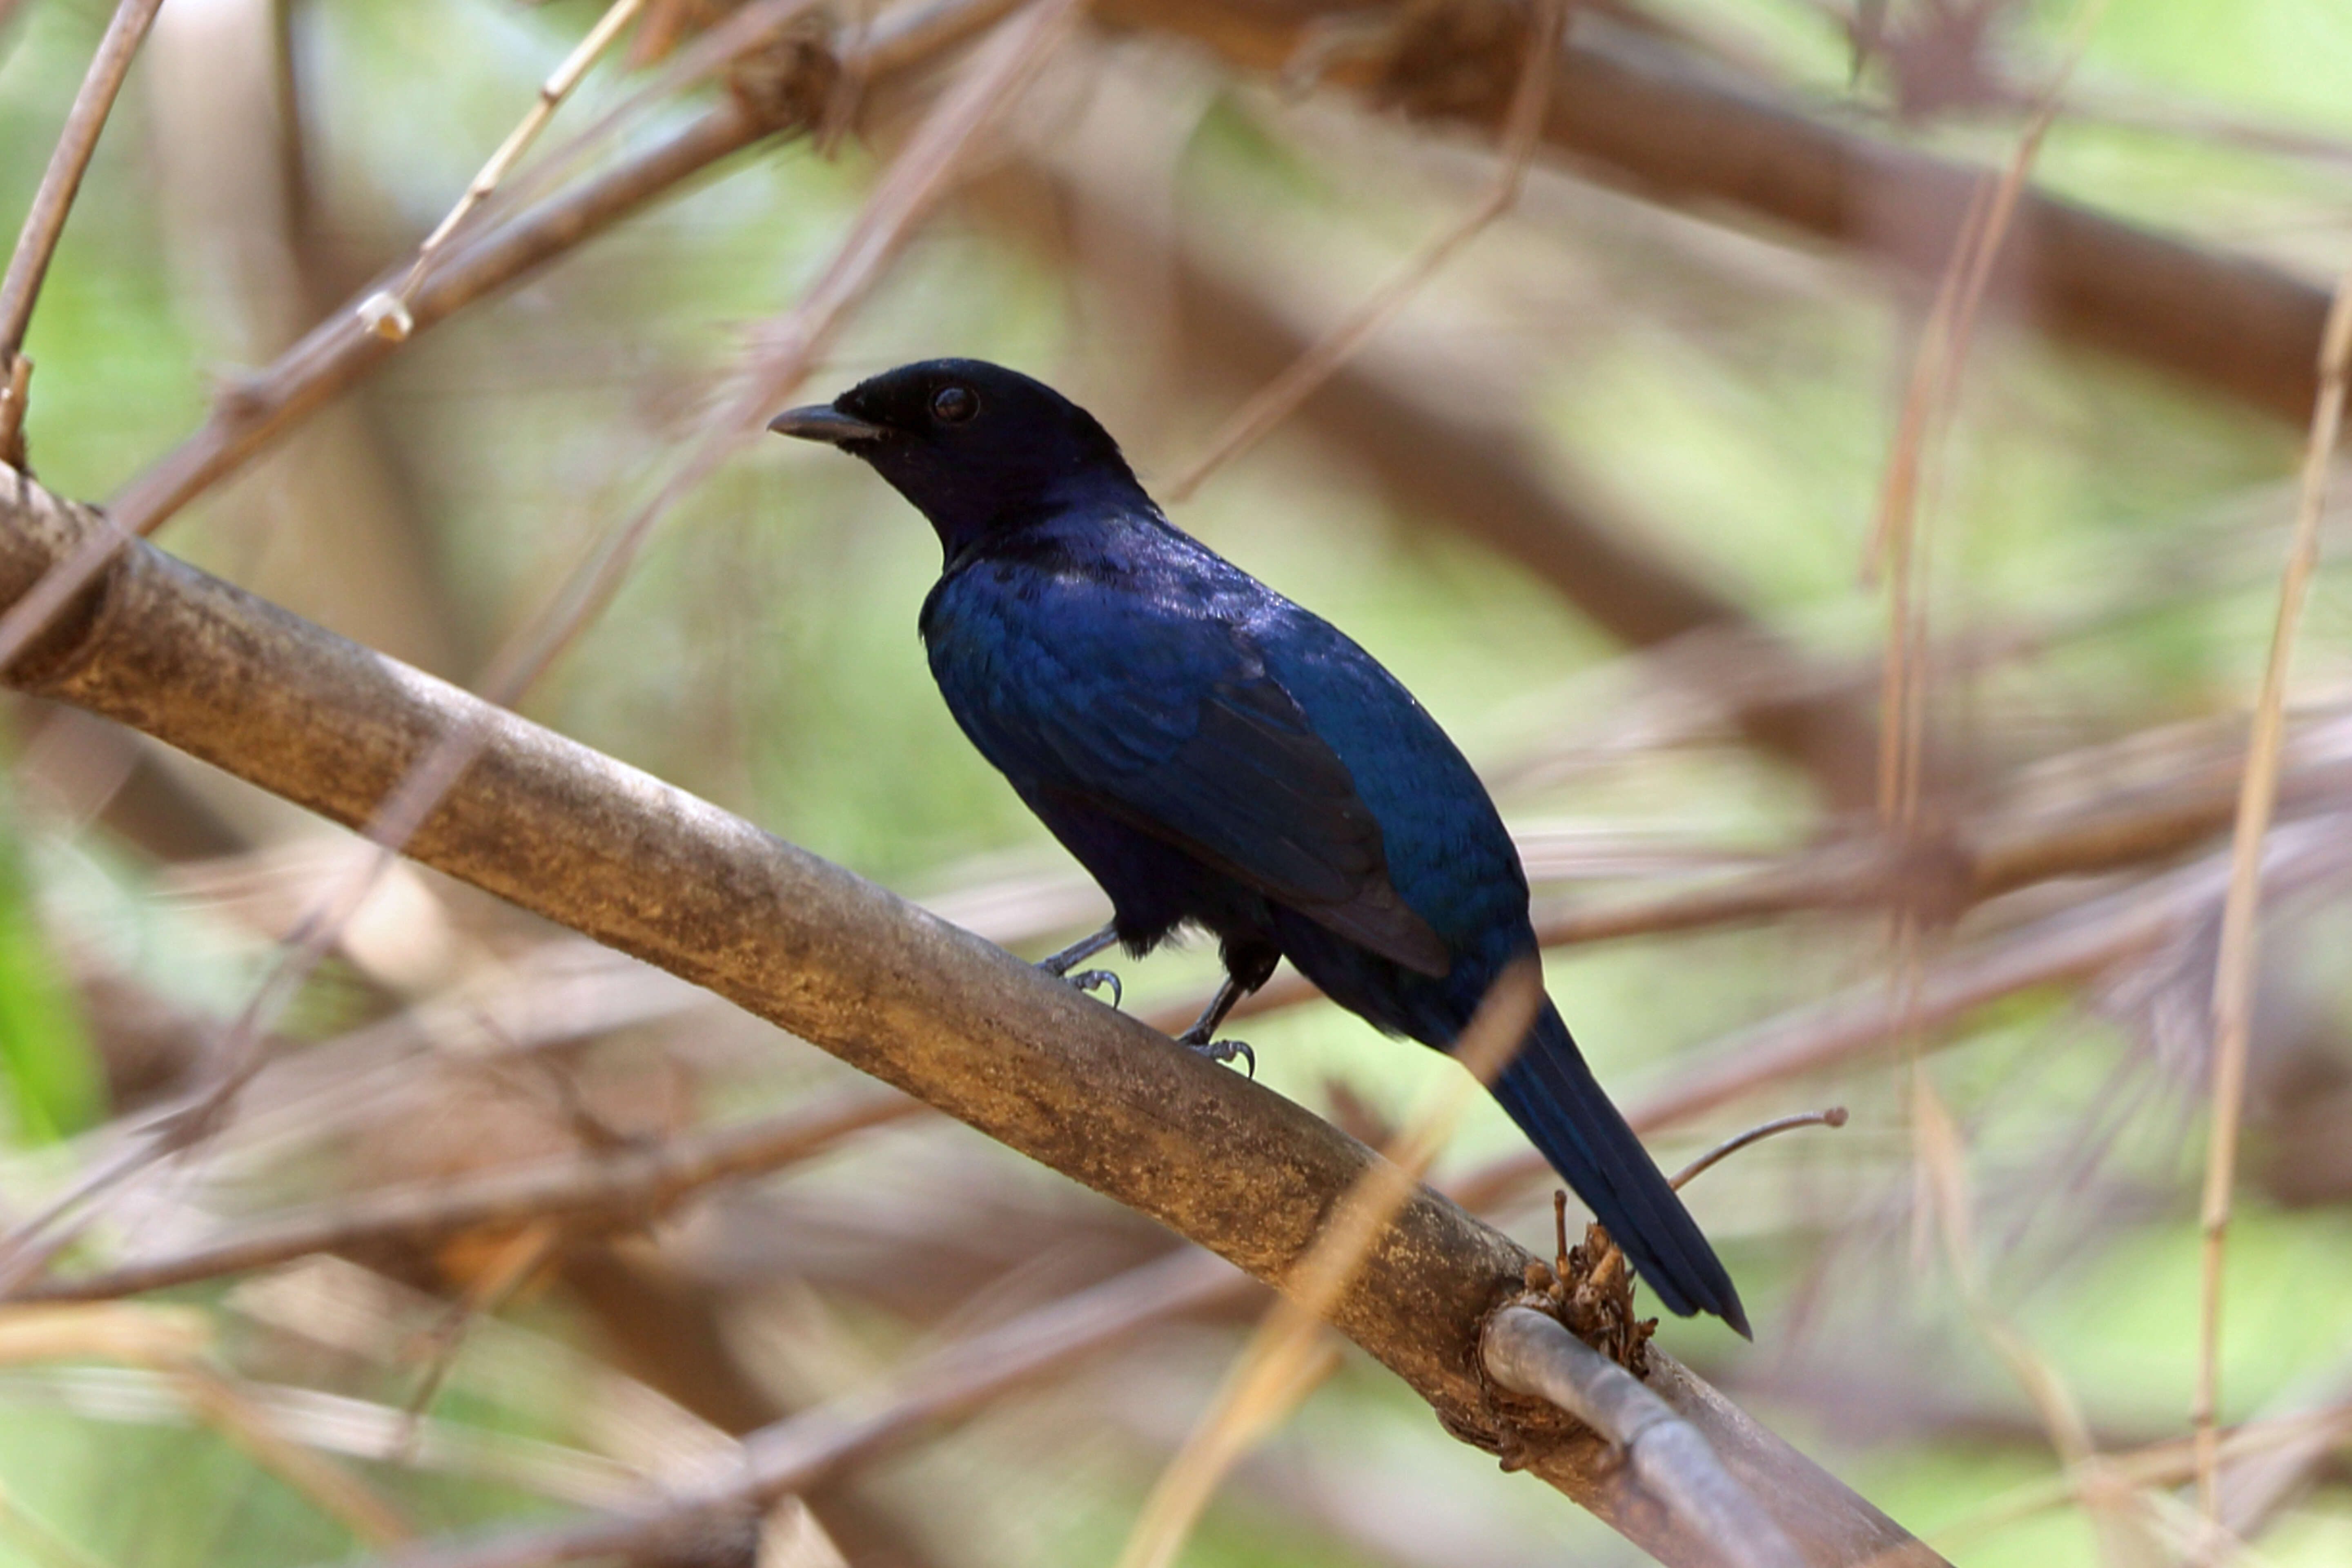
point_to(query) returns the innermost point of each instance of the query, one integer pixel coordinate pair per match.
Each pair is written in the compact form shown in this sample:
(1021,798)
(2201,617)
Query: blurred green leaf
(55,1084)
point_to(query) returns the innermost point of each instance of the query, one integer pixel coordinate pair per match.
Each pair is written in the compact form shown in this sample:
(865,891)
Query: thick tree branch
(569,833)
(1636,110)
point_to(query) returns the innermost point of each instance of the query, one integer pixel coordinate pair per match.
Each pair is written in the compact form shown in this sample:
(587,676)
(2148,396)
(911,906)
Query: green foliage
(54,1082)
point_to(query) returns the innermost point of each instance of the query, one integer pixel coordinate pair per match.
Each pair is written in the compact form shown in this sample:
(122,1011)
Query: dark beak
(822,422)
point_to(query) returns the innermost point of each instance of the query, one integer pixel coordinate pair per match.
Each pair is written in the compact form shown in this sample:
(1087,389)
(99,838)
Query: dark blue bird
(1214,754)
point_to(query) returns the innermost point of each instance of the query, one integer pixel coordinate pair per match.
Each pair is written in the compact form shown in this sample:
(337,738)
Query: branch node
(791,81)
(384,314)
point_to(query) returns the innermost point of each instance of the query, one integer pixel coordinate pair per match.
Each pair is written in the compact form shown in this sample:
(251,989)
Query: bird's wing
(1174,726)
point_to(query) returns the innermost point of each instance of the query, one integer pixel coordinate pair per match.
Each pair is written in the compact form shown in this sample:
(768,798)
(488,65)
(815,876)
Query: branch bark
(573,835)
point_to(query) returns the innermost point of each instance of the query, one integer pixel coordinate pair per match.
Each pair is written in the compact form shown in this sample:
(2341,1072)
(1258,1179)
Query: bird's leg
(1197,1037)
(1060,964)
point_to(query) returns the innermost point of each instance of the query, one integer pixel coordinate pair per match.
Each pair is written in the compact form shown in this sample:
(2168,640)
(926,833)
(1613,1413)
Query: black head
(978,448)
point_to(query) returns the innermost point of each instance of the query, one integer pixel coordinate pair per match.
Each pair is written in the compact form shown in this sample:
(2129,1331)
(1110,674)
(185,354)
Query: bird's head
(979,449)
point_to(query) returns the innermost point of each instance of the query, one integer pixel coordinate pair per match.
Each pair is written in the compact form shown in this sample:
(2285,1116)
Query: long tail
(1553,1096)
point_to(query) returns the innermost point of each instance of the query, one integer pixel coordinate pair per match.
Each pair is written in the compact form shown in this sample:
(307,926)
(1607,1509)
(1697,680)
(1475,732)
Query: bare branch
(1977,864)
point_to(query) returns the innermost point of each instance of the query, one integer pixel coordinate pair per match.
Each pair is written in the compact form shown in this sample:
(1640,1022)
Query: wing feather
(1195,743)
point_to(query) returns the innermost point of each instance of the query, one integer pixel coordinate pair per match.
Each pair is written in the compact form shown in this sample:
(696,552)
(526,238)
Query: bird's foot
(1222,1051)
(1091,980)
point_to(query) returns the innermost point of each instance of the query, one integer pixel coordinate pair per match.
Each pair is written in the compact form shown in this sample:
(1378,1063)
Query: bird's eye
(954,404)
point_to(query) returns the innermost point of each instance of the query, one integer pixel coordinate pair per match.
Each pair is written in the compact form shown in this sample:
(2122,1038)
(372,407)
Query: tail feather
(1553,1096)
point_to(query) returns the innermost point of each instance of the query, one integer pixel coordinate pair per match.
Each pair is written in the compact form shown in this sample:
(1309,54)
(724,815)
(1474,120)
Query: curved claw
(1095,979)
(1225,1051)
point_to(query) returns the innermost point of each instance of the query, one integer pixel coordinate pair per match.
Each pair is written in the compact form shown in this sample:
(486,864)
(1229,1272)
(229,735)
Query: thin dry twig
(712,51)
(1291,1353)
(2154,1465)
(1977,862)
(2061,949)
(36,242)
(511,1267)
(1522,128)
(628,1187)
(2233,969)
(385,313)
(1835,1116)
(795,1454)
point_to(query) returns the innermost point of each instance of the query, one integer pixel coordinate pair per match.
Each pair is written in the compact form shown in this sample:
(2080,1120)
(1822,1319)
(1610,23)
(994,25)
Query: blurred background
(1604,495)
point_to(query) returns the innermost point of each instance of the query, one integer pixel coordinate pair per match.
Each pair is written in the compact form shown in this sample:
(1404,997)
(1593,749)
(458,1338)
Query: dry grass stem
(330,1487)
(104,1331)
(2065,948)
(35,1537)
(171,1342)
(712,52)
(1522,130)
(385,313)
(1291,1353)
(2156,1466)
(337,1424)
(1977,862)
(1898,546)
(2118,1512)
(2233,970)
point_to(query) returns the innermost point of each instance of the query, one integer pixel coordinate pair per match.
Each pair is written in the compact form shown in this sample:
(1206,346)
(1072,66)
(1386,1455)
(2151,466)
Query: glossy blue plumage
(1214,754)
